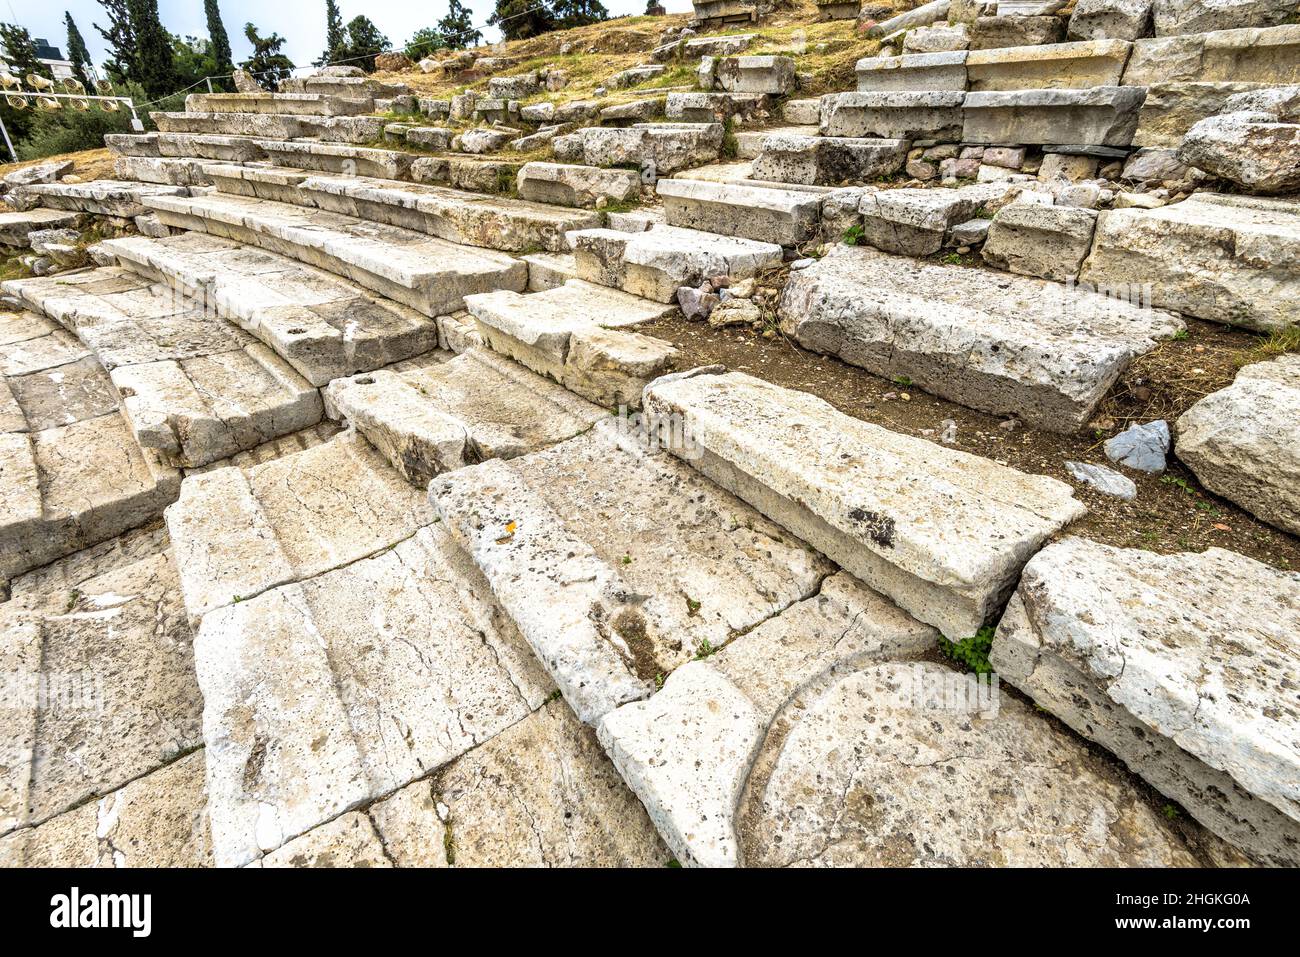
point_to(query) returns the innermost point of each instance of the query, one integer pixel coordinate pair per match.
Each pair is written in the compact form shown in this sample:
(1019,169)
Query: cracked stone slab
(286,104)
(619,563)
(17,224)
(687,751)
(941,532)
(71,486)
(60,395)
(237,532)
(158,820)
(428,274)
(274,126)
(344,687)
(113,660)
(581,335)
(1243,442)
(1097,116)
(894,115)
(103,197)
(440,416)
(1008,345)
(1225,258)
(660,149)
(473,219)
(1185,666)
(787,217)
(875,769)
(323,326)
(539,794)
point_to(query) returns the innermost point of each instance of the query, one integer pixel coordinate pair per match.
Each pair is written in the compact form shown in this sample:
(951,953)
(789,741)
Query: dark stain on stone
(879,528)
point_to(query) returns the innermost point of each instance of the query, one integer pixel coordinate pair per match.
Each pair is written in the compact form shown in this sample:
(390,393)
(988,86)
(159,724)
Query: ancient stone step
(1248,55)
(566,184)
(749,143)
(758,755)
(103,197)
(275,126)
(619,563)
(772,75)
(472,219)
(1183,665)
(1099,116)
(698,107)
(916,222)
(1225,258)
(345,648)
(1243,442)
(286,104)
(15,225)
(1007,345)
(787,217)
(1171,109)
(659,148)
(930,72)
(548,270)
(579,335)
(941,532)
(225,149)
(338,158)
(1073,66)
(111,649)
(194,388)
(346,86)
(163,170)
(539,794)
(898,115)
(655,263)
(827,160)
(321,325)
(1033,239)
(430,275)
(431,417)
(59,426)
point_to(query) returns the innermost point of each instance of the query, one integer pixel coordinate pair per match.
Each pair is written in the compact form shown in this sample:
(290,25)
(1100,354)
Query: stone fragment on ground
(1243,442)
(1104,480)
(1143,446)
(1182,665)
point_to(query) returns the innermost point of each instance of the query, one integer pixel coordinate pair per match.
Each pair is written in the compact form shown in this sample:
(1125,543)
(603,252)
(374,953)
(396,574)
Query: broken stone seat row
(611,564)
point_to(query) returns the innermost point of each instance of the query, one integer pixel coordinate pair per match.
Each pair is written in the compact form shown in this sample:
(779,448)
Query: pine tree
(153,48)
(457,27)
(20,53)
(521,19)
(335,38)
(77,51)
(218,38)
(122,65)
(365,42)
(267,64)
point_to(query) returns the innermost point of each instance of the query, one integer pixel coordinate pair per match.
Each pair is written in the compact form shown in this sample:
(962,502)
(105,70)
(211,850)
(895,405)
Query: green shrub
(973,652)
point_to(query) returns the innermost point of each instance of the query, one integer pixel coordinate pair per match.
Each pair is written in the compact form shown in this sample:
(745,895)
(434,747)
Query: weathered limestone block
(569,185)
(1109,20)
(1050,242)
(336,129)
(1171,109)
(1099,116)
(1179,664)
(901,115)
(226,149)
(866,497)
(327,692)
(697,107)
(158,820)
(938,38)
(428,274)
(989,33)
(484,140)
(339,158)
(716,46)
(576,334)
(316,322)
(773,75)
(1258,149)
(689,750)
(1243,442)
(517,87)
(912,72)
(655,263)
(132,144)
(1260,55)
(15,226)
(788,217)
(163,170)
(915,222)
(1229,259)
(436,138)
(618,562)
(1204,16)
(827,160)
(921,16)
(434,417)
(1057,66)
(541,793)
(657,148)
(238,532)
(876,770)
(1041,351)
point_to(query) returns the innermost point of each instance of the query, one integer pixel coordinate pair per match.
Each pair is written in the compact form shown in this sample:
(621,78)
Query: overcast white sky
(301,22)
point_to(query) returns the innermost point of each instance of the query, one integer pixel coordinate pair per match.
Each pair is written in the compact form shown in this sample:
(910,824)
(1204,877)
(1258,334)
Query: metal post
(8,142)
(208,81)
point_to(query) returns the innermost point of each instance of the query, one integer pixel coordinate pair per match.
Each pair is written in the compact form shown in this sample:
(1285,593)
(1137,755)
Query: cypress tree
(218,38)
(77,51)
(153,48)
(122,65)
(335,37)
